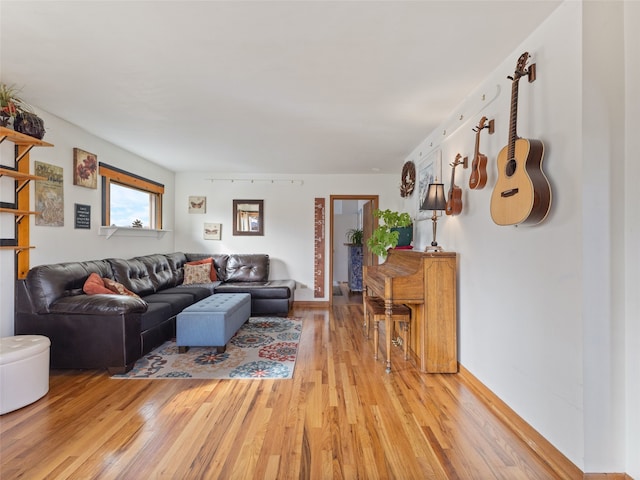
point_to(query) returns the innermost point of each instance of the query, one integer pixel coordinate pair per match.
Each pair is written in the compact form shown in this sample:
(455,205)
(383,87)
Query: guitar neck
(477,149)
(455,163)
(513,118)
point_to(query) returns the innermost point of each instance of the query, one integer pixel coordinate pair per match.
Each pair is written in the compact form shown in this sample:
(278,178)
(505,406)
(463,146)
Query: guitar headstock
(480,126)
(520,67)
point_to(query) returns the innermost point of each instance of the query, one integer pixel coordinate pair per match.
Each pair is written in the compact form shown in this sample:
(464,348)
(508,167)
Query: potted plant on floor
(397,230)
(354,236)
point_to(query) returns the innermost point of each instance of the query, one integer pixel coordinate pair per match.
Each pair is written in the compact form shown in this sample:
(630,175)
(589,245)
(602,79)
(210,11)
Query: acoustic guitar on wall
(478,177)
(454,198)
(522,194)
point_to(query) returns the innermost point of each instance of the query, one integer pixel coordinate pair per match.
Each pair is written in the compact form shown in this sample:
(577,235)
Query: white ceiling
(295,87)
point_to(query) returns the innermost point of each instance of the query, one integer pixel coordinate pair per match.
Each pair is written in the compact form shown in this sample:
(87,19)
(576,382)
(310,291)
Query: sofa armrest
(99,305)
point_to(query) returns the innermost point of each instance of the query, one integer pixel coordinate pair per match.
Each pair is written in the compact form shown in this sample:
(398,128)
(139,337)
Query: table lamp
(434,200)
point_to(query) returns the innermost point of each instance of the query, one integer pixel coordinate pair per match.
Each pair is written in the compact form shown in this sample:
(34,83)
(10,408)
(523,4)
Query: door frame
(374,199)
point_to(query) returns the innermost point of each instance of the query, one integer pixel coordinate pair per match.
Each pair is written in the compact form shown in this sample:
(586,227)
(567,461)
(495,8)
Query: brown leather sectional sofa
(113,331)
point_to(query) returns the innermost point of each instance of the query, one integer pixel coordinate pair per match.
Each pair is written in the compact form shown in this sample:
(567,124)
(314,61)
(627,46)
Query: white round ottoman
(24,370)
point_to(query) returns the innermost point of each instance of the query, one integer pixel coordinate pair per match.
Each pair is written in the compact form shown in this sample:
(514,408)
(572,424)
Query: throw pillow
(200,273)
(118,288)
(94,285)
(212,274)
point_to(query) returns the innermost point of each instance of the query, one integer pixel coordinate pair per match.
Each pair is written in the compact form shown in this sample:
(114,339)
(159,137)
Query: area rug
(264,347)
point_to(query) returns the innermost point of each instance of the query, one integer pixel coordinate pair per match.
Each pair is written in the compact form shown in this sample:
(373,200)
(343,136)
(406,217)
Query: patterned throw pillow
(209,260)
(118,288)
(197,273)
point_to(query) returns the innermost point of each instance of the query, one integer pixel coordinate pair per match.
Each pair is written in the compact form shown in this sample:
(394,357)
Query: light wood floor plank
(341,416)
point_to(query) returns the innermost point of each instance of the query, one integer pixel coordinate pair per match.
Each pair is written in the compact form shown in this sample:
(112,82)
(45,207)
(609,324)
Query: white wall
(542,309)
(61,244)
(632,237)
(603,138)
(289,215)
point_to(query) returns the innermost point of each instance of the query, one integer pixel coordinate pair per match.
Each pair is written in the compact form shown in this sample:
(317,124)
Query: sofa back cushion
(160,271)
(133,274)
(176,262)
(247,267)
(48,283)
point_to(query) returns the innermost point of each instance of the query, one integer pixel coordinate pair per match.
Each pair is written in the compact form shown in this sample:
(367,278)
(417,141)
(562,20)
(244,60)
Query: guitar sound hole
(510,169)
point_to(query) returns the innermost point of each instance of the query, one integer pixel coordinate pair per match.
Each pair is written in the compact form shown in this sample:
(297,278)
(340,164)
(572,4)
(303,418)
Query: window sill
(130,232)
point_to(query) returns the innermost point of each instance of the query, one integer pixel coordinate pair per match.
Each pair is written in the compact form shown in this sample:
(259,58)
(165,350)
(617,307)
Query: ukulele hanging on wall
(522,194)
(478,177)
(454,198)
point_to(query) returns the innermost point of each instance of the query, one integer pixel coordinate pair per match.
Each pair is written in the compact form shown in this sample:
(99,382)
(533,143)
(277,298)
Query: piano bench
(375,311)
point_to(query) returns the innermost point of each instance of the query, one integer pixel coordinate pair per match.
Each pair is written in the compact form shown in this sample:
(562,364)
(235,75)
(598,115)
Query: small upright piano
(425,282)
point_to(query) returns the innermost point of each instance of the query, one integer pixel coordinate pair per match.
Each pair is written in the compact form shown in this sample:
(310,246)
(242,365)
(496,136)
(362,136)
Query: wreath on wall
(408,180)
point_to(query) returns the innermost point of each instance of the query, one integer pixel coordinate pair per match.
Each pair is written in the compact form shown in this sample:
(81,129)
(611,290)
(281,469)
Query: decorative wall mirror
(248,217)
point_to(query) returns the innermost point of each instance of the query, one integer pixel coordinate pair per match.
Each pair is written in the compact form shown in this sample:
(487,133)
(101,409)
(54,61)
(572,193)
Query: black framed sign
(83,216)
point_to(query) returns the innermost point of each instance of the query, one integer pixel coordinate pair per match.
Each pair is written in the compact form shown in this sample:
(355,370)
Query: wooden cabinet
(20,208)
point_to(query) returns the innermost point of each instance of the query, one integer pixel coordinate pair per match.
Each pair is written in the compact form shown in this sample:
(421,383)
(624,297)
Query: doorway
(337,247)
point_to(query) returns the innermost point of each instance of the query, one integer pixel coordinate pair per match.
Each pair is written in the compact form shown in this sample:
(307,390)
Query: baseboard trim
(310,304)
(540,445)
(607,476)
(543,448)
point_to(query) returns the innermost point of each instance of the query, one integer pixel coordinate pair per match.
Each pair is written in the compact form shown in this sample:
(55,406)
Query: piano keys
(426,283)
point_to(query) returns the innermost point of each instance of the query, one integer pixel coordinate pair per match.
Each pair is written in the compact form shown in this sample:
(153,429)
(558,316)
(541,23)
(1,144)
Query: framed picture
(212,231)
(85,169)
(49,195)
(82,216)
(248,217)
(429,171)
(197,204)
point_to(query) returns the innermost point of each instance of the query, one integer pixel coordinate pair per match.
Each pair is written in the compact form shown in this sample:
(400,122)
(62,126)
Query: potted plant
(397,229)
(13,108)
(10,103)
(354,236)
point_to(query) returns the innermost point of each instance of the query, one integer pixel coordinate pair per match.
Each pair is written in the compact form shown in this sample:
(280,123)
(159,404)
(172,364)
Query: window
(128,198)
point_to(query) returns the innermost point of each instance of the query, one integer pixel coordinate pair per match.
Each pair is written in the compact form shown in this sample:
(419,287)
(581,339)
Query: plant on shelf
(387,235)
(354,236)
(10,103)
(137,223)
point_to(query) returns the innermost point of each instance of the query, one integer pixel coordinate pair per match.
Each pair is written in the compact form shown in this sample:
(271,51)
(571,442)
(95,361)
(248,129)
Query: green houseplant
(387,235)
(10,103)
(354,236)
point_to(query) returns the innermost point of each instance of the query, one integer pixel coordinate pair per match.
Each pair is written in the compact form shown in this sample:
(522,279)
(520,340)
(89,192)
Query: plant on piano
(386,236)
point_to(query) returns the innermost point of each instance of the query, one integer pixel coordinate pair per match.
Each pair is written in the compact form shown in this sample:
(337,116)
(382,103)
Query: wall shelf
(22,177)
(21,139)
(131,232)
(17,248)
(19,214)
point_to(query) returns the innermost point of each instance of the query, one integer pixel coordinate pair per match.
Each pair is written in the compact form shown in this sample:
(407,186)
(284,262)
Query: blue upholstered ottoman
(212,321)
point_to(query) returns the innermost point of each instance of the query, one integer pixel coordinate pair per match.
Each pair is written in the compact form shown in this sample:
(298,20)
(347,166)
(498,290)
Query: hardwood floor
(340,417)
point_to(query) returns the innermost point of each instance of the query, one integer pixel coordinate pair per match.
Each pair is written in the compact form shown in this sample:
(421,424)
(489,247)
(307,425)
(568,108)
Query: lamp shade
(434,200)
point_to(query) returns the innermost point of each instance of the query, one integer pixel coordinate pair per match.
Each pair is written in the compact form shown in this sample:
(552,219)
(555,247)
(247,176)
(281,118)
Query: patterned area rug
(264,347)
